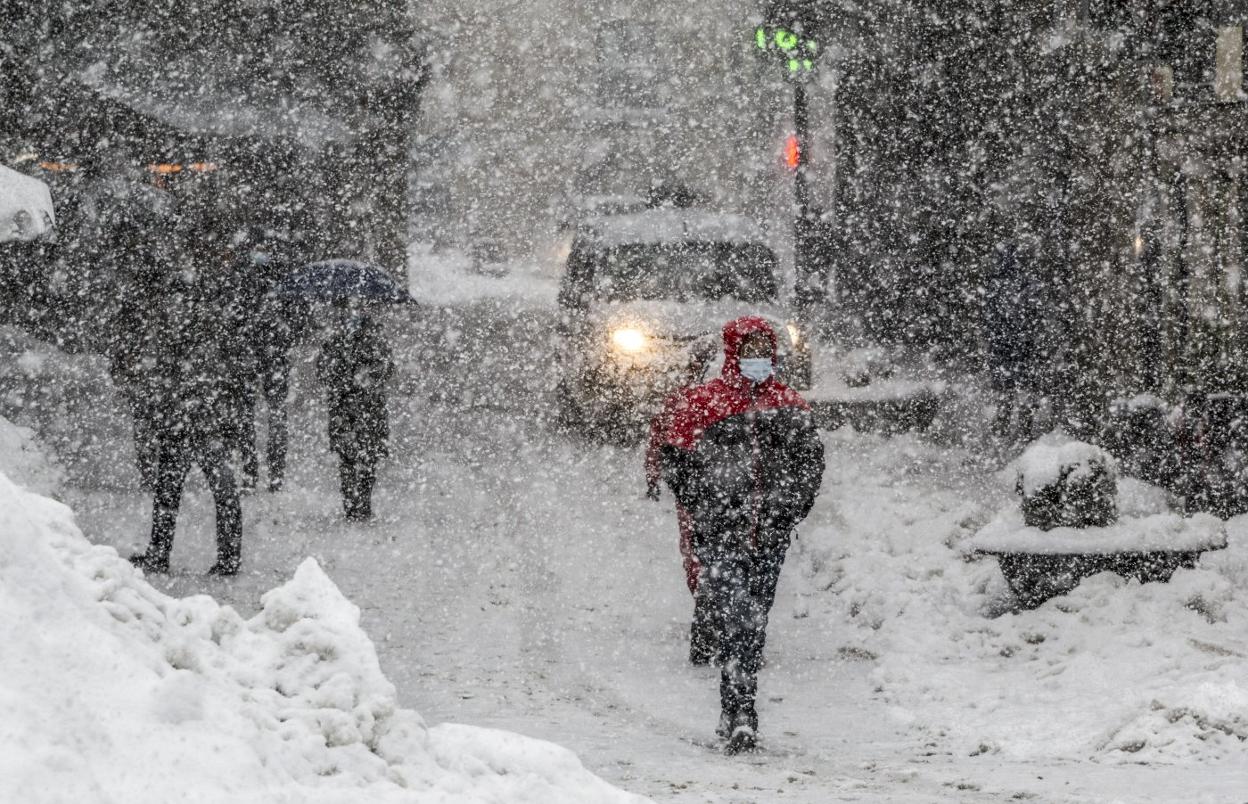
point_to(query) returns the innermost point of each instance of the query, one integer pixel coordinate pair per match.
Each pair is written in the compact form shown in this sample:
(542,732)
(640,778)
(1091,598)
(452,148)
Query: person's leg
(146,443)
(726,586)
(213,459)
(172,464)
(764,577)
(366,478)
(276,389)
(245,436)
(348,478)
(704,630)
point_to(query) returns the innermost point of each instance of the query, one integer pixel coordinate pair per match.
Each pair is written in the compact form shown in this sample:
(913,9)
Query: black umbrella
(331,280)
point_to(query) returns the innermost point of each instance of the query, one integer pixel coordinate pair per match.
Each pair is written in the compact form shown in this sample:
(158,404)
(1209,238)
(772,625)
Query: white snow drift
(112,691)
(1115,671)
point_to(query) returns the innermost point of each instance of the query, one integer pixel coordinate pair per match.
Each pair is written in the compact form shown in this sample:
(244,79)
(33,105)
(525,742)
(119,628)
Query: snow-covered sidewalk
(114,691)
(519,580)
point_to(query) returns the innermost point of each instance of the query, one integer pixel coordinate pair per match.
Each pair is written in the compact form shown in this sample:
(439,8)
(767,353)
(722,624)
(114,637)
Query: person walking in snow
(354,365)
(272,323)
(135,330)
(742,456)
(194,378)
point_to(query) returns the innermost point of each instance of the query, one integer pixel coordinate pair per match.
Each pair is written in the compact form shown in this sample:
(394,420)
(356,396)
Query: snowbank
(113,691)
(1115,671)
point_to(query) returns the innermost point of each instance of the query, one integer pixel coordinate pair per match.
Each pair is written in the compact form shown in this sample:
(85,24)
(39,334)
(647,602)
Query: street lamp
(789,35)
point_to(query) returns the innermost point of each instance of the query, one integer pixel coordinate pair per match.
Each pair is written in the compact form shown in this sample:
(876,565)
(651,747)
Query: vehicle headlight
(629,340)
(795,334)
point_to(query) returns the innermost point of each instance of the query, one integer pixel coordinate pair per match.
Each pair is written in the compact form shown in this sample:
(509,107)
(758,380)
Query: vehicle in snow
(587,207)
(645,295)
(1070,525)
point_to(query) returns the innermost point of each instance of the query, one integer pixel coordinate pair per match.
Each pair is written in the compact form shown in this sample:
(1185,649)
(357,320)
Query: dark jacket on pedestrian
(354,365)
(196,372)
(744,459)
(1015,316)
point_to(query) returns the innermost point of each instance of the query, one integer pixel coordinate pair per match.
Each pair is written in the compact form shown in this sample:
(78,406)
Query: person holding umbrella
(354,364)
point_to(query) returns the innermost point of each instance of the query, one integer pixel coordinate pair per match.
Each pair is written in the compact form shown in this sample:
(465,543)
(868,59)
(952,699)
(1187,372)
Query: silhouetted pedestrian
(354,365)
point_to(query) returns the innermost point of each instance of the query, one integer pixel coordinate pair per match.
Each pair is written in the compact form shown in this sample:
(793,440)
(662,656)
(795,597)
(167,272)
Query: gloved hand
(652,491)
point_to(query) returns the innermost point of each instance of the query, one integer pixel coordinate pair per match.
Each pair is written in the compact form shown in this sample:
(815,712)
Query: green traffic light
(797,54)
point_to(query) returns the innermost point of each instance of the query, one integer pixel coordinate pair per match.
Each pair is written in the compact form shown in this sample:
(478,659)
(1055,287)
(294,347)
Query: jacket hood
(735,332)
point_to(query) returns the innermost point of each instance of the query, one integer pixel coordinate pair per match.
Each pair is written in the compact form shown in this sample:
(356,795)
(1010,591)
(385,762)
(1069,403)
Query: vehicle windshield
(686,271)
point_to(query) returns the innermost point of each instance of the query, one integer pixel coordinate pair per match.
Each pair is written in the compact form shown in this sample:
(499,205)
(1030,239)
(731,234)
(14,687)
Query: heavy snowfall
(364,372)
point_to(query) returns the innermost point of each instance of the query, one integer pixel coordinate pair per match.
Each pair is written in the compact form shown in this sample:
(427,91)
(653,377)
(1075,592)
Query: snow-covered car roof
(672,225)
(25,206)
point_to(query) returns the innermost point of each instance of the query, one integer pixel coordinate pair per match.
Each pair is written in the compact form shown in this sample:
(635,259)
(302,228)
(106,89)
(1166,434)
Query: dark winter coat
(743,458)
(354,366)
(136,332)
(1015,313)
(195,376)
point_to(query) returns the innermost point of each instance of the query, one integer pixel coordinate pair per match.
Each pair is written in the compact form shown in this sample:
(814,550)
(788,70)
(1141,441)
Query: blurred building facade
(533,106)
(1103,139)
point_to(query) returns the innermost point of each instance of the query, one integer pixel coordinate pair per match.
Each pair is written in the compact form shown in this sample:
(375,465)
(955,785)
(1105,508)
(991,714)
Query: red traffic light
(792,152)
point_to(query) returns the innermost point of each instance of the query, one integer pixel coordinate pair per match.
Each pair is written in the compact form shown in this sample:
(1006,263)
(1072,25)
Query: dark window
(685,271)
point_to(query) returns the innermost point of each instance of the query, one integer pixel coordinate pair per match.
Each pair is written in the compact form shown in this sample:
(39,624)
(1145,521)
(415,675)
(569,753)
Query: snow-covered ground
(518,579)
(113,691)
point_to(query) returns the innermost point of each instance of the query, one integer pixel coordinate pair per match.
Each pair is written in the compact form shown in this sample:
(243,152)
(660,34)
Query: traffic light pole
(804,290)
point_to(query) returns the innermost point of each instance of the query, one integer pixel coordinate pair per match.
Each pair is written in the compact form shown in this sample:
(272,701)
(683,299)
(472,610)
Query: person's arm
(654,447)
(376,365)
(807,468)
(679,468)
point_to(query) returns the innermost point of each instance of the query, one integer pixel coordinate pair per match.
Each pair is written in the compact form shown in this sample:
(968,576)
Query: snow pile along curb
(112,690)
(1116,670)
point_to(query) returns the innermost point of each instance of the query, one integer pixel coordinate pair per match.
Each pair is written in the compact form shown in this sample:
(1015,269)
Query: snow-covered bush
(1065,483)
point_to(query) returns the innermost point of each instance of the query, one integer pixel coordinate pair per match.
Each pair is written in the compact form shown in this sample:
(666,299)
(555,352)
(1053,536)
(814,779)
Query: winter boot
(224,569)
(744,736)
(149,562)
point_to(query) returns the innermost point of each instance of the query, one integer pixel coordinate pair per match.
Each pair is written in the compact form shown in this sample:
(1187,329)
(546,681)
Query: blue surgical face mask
(755,369)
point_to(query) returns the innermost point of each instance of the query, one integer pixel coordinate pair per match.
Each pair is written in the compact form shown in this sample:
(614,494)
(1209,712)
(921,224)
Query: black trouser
(357,468)
(244,437)
(275,386)
(146,440)
(740,589)
(177,455)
